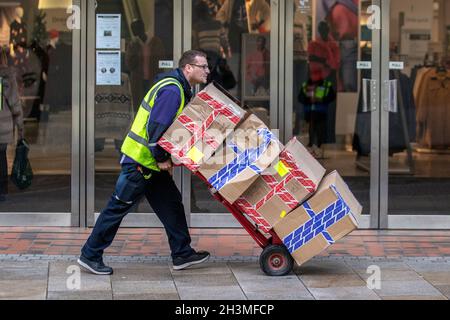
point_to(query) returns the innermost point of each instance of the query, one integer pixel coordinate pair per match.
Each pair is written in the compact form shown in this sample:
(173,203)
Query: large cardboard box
(328,216)
(243,157)
(282,187)
(202,127)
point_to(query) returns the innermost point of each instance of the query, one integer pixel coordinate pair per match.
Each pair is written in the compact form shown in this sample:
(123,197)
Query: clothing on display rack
(397,139)
(433,108)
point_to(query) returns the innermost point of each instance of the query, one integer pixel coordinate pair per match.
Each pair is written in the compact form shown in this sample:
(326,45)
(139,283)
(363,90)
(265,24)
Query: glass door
(416,140)
(40,80)
(243,53)
(337,47)
(131,43)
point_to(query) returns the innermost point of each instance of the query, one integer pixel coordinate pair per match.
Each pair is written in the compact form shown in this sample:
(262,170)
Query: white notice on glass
(108,31)
(108,68)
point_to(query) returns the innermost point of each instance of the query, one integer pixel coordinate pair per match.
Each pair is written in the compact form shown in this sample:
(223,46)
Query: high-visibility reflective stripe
(138,139)
(146,106)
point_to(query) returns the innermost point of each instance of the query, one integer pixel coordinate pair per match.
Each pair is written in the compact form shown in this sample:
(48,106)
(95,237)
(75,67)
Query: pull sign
(396,65)
(374,19)
(166,64)
(364,65)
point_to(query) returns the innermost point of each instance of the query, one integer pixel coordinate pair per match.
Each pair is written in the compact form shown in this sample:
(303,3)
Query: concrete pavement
(39,277)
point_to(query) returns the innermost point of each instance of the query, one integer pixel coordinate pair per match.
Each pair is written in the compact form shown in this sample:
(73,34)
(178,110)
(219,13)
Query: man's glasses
(204,67)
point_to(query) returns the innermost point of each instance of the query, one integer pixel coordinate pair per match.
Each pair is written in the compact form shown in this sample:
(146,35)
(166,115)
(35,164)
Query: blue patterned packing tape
(244,159)
(318,224)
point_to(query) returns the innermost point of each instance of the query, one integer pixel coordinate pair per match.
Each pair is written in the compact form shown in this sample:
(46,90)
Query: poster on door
(108,68)
(108,31)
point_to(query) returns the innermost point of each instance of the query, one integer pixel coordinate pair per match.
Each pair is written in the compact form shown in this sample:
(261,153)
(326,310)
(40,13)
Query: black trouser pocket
(130,186)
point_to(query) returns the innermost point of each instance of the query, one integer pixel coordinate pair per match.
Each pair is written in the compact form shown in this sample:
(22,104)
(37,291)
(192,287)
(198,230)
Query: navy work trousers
(162,195)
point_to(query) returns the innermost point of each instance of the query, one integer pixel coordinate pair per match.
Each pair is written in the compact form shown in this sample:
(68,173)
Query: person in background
(10,117)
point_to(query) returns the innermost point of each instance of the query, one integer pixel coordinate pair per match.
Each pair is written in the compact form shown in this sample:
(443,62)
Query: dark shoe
(196,258)
(95,267)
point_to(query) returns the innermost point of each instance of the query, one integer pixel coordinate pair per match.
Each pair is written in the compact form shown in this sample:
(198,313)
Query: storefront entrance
(381,124)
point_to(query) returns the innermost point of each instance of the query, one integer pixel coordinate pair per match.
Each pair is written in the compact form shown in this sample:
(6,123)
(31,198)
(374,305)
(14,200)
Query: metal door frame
(367,221)
(277,36)
(90,215)
(72,218)
(388,221)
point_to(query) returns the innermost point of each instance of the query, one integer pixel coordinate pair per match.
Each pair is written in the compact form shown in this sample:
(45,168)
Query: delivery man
(147,169)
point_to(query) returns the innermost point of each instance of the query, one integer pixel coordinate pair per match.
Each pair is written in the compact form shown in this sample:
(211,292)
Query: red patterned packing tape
(277,189)
(199,132)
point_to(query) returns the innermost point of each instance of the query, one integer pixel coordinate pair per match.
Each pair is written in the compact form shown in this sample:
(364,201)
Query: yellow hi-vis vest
(136,144)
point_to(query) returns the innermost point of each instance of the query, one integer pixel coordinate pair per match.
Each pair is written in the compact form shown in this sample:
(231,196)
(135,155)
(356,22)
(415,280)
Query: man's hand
(166,166)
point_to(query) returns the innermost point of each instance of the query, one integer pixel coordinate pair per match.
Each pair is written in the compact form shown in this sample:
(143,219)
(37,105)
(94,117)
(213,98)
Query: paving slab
(344,293)
(332,281)
(323,267)
(211,293)
(23,289)
(143,287)
(407,288)
(23,271)
(437,278)
(445,290)
(427,266)
(140,272)
(79,295)
(59,278)
(258,286)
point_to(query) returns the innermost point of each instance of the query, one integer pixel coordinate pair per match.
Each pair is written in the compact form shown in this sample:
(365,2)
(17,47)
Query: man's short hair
(189,57)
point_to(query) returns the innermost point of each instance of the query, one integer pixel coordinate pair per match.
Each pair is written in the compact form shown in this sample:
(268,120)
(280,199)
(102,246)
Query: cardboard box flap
(213,91)
(334,179)
(311,167)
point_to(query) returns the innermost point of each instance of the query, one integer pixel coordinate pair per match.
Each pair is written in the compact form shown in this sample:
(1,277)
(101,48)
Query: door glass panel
(419,132)
(236,37)
(336,128)
(146,38)
(36,59)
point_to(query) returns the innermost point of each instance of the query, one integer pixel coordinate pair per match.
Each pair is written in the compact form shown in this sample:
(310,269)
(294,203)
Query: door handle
(390,103)
(370,91)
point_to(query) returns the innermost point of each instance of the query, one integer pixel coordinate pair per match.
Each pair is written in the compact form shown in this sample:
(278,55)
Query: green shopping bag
(22,174)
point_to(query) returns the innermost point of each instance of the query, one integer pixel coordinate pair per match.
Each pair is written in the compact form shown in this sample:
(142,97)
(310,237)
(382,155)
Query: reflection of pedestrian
(10,116)
(342,17)
(324,56)
(316,96)
(258,68)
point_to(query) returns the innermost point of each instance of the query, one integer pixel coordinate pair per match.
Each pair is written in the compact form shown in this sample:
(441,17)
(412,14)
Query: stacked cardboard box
(279,188)
(238,163)
(326,217)
(202,127)
(282,187)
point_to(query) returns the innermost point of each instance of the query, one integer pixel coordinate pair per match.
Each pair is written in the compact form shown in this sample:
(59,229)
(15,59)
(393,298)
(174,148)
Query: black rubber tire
(276,261)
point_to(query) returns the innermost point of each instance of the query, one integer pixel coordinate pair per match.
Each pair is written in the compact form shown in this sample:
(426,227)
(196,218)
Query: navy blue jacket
(164,112)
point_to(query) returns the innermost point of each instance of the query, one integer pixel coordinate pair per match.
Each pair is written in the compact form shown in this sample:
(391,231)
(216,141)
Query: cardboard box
(328,216)
(202,127)
(282,187)
(242,158)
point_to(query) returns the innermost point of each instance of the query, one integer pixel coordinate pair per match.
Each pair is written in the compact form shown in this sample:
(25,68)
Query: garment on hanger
(433,110)
(397,141)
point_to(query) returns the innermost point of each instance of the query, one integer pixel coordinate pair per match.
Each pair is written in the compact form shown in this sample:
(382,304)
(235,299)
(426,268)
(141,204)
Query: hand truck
(275,259)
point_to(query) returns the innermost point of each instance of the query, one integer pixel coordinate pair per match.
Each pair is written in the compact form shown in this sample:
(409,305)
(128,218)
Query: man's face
(199,71)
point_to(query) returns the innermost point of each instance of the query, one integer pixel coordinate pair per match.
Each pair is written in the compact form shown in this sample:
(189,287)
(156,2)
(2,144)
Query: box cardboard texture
(282,187)
(241,159)
(202,127)
(326,217)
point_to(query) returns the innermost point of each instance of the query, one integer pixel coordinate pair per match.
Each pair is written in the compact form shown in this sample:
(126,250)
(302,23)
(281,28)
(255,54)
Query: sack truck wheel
(276,261)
